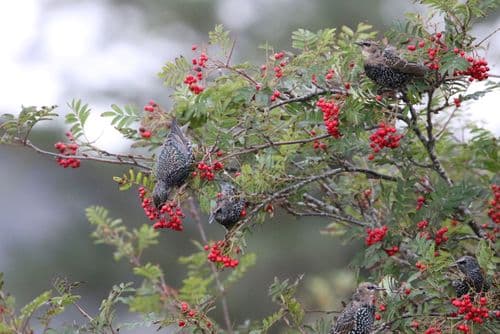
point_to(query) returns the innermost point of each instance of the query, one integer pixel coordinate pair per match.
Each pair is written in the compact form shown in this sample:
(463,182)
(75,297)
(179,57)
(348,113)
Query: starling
(173,164)
(359,314)
(386,67)
(474,276)
(228,207)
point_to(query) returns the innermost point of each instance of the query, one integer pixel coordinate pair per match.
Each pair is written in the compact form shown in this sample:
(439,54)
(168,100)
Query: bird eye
(366,43)
(371,287)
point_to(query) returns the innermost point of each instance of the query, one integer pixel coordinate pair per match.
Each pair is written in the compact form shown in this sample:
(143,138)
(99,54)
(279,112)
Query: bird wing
(346,320)
(396,62)
(177,136)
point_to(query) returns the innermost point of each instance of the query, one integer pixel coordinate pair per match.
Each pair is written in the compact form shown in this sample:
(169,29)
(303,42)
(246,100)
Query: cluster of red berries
(420,266)
(433,330)
(440,236)
(174,213)
(384,137)
(422,224)
(189,315)
(478,68)
(147,204)
(413,47)
(392,251)
(494,211)
(330,112)
(457,102)
(382,308)
(175,216)
(329,74)
(151,106)
(317,144)
(193,80)
(275,95)
(216,255)
(206,171)
(420,202)
(278,69)
(67,150)
(477,313)
(375,235)
(146,134)
(434,50)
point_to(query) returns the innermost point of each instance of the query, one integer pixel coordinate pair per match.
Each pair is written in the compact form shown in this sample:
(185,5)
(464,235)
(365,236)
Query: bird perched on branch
(359,314)
(474,276)
(173,164)
(387,68)
(228,208)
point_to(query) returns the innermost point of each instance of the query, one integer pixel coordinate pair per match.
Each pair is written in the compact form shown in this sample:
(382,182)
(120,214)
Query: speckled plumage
(228,208)
(173,164)
(473,276)
(359,315)
(387,68)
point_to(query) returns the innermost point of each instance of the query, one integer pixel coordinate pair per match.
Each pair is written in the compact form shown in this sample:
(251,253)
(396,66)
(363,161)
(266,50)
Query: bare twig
(339,218)
(256,148)
(487,37)
(118,159)
(306,97)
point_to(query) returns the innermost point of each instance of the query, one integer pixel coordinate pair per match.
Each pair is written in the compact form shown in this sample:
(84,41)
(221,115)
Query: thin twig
(306,97)
(220,286)
(83,312)
(256,148)
(487,37)
(119,159)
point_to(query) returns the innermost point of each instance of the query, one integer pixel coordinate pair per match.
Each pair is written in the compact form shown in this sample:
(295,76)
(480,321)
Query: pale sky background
(51,57)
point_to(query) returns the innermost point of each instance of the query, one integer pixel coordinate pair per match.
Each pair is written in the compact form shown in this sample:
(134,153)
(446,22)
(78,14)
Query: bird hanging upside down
(387,68)
(359,315)
(173,164)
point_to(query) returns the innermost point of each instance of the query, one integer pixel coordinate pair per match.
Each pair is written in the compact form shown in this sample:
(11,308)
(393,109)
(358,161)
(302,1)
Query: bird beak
(358,43)
(379,288)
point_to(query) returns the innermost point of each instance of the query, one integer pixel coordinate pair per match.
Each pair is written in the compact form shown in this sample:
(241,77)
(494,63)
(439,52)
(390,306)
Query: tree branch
(316,93)
(256,148)
(118,159)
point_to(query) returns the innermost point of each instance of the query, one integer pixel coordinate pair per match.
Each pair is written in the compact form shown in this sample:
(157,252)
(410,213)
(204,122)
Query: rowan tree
(307,133)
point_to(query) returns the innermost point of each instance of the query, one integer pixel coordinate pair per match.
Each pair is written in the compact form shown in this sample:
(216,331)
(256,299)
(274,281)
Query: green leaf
(35,304)
(303,39)
(220,37)
(173,73)
(149,271)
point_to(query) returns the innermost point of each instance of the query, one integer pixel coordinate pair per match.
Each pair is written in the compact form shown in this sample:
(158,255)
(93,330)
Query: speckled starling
(228,208)
(387,68)
(173,164)
(474,277)
(359,314)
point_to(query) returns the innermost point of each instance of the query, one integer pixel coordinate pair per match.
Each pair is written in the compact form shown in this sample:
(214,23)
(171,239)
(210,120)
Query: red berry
(412,47)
